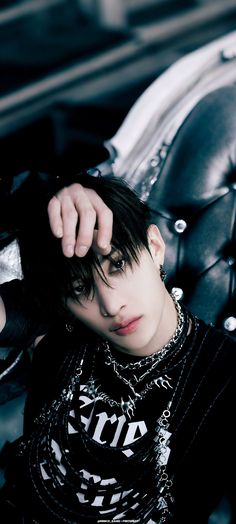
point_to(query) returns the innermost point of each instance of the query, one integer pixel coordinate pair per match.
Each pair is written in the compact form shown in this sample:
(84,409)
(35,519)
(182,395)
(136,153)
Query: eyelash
(79,290)
(119,265)
(116,264)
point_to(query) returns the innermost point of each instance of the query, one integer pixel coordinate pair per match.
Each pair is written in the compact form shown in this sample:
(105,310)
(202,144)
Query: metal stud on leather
(177,292)
(180,226)
(197,181)
(230,323)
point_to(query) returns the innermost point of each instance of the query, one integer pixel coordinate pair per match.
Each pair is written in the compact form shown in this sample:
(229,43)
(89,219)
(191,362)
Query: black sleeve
(23,322)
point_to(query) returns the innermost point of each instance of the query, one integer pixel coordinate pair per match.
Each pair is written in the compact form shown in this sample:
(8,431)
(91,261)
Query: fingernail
(69,250)
(59,232)
(105,247)
(81,251)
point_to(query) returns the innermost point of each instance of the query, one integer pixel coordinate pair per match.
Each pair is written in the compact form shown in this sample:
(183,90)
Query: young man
(131,396)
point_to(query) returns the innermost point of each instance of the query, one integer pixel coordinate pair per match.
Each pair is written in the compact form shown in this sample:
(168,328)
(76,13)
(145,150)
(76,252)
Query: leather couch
(194,203)
(177,148)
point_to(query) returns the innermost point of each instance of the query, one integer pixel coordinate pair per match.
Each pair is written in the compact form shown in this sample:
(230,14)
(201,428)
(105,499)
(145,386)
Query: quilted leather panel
(197,186)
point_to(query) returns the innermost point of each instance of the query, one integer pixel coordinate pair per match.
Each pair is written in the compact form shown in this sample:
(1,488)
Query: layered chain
(158,355)
(146,365)
(154,451)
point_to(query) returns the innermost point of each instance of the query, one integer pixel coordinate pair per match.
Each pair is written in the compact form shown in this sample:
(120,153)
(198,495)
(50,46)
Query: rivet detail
(155,161)
(230,323)
(230,261)
(177,292)
(180,225)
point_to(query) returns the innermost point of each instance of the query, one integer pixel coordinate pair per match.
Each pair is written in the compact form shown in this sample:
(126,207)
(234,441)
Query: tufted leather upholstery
(194,204)
(190,184)
(177,148)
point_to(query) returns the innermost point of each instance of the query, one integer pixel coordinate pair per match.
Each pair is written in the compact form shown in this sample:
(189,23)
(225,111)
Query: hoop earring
(69,327)
(69,322)
(162,273)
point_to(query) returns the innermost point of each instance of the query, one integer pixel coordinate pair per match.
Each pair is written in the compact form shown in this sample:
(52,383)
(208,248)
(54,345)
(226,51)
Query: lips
(127,326)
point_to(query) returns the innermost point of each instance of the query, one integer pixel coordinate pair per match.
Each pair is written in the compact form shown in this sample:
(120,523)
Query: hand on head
(80,218)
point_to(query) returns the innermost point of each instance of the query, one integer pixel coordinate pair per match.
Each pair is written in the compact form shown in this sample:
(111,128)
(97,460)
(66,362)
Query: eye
(79,290)
(117,265)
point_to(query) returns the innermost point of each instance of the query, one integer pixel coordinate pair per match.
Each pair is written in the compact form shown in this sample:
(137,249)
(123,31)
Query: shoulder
(217,348)
(216,336)
(54,359)
(60,343)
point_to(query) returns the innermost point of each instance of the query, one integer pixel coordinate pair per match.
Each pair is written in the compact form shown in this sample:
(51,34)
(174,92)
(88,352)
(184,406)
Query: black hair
(51,275)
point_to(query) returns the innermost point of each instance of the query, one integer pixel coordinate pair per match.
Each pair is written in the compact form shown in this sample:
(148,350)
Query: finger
(76,209)
(69,220)
(87,221)
(104,223)
(78,204)
(54,215)
(99,250)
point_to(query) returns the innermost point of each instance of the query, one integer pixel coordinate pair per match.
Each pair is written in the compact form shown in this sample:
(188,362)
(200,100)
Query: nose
(109,300)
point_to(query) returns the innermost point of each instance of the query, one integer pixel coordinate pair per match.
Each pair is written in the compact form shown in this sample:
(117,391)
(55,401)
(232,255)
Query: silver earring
(162,273)
(69,327)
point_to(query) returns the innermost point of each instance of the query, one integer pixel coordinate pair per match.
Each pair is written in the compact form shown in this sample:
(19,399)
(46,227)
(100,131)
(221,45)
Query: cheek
(86,314)
(146,287)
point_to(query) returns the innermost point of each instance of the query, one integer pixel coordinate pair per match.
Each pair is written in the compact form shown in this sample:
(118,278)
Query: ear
(156,244)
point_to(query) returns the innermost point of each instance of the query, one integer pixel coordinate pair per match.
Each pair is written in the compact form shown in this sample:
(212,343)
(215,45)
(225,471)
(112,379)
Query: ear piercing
(162,273)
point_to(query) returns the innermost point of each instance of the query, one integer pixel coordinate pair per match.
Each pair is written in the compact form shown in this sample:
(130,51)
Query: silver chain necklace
(155,357)
(162,436)
(93,388)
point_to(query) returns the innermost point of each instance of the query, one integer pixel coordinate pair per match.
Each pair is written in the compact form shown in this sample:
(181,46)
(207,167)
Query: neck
(168,323)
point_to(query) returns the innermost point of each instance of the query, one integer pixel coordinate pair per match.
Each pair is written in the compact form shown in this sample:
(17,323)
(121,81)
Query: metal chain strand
(158,355)
(128,406)
(154,451)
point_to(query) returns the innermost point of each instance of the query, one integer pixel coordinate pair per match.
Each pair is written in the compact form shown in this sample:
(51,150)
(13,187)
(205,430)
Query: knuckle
(62,193)
(69,191)
(68,239)
(75,188)
(107,214)
(85,239)
(89,213)
(71,214)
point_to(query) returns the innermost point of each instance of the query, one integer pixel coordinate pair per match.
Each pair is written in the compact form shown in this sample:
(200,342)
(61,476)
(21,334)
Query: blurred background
(70,70)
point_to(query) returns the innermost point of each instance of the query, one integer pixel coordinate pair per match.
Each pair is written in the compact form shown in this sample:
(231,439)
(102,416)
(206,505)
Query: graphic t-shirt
(77,464)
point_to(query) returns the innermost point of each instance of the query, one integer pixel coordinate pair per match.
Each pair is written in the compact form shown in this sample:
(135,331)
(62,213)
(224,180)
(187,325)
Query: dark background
(70,70)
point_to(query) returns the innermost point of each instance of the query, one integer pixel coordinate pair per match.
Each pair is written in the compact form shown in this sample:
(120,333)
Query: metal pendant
(91,389)
(127,406)
(163,382)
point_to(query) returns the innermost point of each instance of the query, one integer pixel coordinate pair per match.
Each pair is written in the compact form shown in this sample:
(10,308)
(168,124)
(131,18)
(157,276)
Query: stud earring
(162,273)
